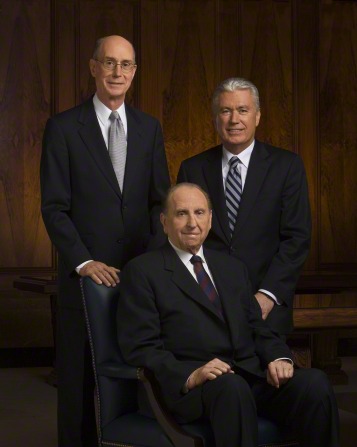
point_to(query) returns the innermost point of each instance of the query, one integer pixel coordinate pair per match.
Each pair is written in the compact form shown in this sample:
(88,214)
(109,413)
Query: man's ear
(92,67)
(257,118)
(214,121)
(163,222)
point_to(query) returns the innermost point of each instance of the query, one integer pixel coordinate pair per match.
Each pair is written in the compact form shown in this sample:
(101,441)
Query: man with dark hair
(103,176)
(187,313)
(261,212)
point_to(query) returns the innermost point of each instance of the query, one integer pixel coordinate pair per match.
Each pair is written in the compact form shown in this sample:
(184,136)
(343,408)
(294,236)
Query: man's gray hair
(230,85)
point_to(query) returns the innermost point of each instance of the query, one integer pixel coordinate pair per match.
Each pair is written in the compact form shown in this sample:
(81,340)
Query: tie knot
(195,259)
(234,162)
(114,116)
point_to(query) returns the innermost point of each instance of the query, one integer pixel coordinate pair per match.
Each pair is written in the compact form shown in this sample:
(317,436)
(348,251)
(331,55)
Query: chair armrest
(175,433)
(111,369)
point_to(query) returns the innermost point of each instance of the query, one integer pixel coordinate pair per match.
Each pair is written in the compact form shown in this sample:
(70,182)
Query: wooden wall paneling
(64,55)
(305,73)
(338,135)
(151,54)
(187,77)
(24,107)
(25,92)
(267,61)
(98,18)
(229,40)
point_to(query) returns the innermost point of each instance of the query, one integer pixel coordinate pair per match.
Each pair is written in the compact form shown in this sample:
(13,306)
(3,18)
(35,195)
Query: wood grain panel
(24,108)
(64,56)
(187,78)
(149,72)
(266,33)
(305,75)
(338,135)
(228,40)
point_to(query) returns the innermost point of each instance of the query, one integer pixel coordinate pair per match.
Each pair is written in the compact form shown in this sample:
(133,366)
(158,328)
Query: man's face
(188,219)
(236,119)
(113,85)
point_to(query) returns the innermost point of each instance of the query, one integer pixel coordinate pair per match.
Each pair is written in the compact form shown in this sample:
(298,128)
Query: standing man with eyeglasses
(103,176)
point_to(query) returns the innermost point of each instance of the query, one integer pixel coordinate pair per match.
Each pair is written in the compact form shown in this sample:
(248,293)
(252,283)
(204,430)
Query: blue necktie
(233,191)
(205,283)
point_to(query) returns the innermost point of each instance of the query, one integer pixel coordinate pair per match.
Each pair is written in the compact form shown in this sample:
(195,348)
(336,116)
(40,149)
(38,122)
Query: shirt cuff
(270,295)
(82,265)
(285,358)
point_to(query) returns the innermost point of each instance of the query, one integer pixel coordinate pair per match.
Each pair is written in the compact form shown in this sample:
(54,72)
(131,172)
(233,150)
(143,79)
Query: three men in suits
(95,224)
(218,362)
(272,230)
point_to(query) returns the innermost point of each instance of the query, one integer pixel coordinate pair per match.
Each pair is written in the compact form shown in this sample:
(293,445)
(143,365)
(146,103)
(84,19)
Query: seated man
(189,315)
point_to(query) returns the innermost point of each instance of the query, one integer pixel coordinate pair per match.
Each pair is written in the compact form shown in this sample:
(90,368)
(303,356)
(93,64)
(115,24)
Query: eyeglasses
(111,65)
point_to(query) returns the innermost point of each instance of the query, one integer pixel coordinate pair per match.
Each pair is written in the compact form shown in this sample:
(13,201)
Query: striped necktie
(206,283)
(233,191)
(117,147)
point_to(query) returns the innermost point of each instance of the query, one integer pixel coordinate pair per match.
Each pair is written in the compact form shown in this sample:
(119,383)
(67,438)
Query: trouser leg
(75,409)
(229,405)
(306,403)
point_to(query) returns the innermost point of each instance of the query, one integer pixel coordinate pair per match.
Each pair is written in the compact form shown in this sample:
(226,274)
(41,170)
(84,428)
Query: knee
(230,387)
(316,383)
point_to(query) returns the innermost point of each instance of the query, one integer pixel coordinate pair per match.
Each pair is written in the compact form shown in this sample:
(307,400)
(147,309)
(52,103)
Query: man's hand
(209,371)
(101,273)
(266,304)
(279,372)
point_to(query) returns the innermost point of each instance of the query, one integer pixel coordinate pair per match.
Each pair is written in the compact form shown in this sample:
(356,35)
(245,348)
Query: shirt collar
(103,113)
(185,256)
(244,156)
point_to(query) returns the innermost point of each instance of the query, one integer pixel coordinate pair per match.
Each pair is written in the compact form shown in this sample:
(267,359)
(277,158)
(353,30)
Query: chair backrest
(119,394)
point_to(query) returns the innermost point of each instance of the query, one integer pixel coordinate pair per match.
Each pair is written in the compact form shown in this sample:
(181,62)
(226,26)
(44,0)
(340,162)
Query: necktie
(205,283)
(233,191)
(117,147)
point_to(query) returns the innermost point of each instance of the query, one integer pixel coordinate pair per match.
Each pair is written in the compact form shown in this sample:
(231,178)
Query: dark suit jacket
(85,213)
(167,323)
(272,234)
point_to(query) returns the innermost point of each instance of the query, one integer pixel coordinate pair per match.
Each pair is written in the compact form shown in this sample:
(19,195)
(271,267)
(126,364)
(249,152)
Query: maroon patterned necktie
(205,283)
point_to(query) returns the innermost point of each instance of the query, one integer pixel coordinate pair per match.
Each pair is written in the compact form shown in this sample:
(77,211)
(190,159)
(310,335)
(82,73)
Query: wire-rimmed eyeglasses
(110,64)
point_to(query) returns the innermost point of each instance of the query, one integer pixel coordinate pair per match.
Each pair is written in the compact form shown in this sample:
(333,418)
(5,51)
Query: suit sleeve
(56,197)
(139,333)
(295,233)
(160,183)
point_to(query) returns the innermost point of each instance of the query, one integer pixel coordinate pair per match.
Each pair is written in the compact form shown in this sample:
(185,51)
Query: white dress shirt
(103,114)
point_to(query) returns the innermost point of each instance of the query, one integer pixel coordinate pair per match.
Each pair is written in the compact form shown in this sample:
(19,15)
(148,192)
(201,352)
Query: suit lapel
(212,171)
(185,281)
(135,143)
(257,171)
(229,304)
(93,139)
